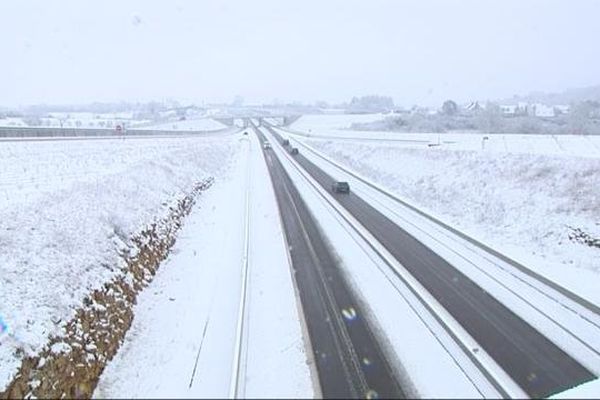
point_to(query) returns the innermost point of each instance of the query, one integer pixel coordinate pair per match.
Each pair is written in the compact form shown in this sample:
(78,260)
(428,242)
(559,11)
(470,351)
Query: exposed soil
(70,365)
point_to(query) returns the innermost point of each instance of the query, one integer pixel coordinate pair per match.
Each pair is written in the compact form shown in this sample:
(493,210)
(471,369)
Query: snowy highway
(278,287)
(341,339)
(534,364)
(300,200)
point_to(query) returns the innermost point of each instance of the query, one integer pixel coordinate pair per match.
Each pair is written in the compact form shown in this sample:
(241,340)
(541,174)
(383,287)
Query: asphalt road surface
(534,362)
(349,360)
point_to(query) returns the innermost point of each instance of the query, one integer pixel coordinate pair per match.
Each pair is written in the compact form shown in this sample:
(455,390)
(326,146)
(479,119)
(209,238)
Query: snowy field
(203,124)
(75,120)
(337,126)
(110,121)
(526,205)
(68,207)
(328,122)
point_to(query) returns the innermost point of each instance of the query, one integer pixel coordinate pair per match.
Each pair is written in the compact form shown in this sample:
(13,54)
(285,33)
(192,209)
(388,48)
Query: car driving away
(340,187)
(266,145)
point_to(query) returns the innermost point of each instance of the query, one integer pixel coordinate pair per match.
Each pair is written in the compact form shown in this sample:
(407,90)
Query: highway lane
(349,360)
(530,359)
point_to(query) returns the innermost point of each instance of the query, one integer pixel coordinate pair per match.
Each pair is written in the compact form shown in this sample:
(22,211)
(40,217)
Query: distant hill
(567,97)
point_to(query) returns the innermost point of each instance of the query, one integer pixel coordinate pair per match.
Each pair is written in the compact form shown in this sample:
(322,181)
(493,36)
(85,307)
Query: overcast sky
(212,50)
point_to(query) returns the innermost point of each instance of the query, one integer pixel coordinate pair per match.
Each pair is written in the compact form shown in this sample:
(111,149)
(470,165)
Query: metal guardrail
(37,132)
(487,248)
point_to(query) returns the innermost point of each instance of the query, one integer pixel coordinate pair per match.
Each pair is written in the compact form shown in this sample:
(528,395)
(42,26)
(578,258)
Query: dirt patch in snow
(70,365)
(579,236)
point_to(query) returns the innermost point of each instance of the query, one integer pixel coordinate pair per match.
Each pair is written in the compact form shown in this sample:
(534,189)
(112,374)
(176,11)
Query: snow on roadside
(276,362)
(524,205)
(12,122)
(64,220)
(589,390)
(325,122)
(202,124)
(423,356)
(338,126)
(182,339)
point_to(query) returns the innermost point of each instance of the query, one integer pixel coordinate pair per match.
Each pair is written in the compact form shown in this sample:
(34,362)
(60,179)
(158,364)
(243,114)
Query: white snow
(338,127)
(68,207)
(185,347)
(559,145)
(277,352)
(521,204)
(515,289)
(202,124)
(75,120)
(327,122)
(12,122)
(421,352)
(589,390)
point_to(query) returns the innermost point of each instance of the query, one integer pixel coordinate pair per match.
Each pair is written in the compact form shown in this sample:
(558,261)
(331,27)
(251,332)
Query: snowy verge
(182,340)
(60,242)
(277,351)
(426,359)
(527,206)
(325,122)
(590,390)
(69,365)
(203,124)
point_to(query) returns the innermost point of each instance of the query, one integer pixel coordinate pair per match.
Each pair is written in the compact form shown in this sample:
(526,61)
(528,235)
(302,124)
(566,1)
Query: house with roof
(541,110)
(509,110)
(473,107)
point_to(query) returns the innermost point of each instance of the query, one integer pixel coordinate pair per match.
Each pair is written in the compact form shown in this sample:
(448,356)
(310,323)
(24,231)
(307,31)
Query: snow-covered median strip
(68,219)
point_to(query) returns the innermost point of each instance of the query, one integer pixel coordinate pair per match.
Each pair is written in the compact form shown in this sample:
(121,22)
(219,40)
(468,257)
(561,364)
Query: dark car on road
(340,187)
(285,142)
(294,151)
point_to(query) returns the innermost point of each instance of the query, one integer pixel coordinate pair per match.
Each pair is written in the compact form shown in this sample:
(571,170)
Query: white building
(541,110)
(510,110)
(562,109)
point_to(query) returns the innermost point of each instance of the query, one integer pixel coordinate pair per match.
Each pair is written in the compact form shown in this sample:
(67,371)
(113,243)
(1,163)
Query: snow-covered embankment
(83,225)
(541,210)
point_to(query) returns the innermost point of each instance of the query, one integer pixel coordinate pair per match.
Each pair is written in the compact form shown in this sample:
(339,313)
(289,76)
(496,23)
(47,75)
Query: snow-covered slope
(68,207)
(182,341)
(325,122)
(526,205)
(204,124)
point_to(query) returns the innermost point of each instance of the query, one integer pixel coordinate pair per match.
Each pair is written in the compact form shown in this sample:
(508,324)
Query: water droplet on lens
(349,313)
(371,394)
